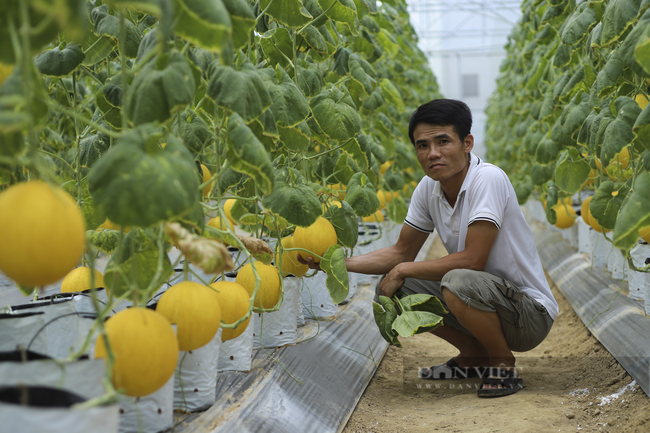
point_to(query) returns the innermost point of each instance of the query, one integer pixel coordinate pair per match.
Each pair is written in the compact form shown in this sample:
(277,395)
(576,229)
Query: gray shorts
(525,322)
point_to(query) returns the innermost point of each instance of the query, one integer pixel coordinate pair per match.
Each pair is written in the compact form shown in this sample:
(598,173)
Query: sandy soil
(572,383)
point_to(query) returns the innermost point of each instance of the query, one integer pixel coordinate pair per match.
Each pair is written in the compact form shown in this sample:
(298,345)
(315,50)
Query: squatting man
(492,281)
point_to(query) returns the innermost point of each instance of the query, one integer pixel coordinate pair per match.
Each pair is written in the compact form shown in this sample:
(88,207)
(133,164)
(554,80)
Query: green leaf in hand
(337,281)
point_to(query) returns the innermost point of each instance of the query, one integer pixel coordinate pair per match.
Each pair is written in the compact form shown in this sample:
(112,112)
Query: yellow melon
(566,216)
(268,292)
(195,311)
(376,217)
(42,233)
(145,350)
(290,263)
(645,234)
(234,301)
(584,210)
(217,223)
(206,177)
(78,280)
(227,207)
(316,238)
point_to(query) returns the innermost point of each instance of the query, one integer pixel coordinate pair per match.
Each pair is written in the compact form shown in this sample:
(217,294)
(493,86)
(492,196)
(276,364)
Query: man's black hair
(443,112)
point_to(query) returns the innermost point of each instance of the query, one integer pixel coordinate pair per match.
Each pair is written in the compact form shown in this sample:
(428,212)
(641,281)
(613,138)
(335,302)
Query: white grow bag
(316,300)
(27,419)
(84,377)
(64,329)
(278,328)
(195,378)
(638,281)
(237,354)
(149,414)
(19,330)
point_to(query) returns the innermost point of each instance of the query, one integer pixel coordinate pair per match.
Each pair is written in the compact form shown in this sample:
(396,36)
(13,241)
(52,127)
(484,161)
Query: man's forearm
(378,262)
(434,270)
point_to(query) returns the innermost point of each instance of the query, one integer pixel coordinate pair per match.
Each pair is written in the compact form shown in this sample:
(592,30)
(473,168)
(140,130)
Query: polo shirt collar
(474,162)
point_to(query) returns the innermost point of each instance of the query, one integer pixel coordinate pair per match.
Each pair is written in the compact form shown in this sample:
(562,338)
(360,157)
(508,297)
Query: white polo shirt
(486,194)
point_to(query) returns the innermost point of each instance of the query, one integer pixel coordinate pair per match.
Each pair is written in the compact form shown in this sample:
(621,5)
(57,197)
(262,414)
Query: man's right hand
(309,262)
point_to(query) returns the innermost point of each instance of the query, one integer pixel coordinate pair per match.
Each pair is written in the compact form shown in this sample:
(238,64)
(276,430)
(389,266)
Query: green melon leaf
(642,47)
(384,318)
(344,11)
(607,201)
(136,267)
(607,79)
(337,281)
(109,25)
(579,24)
(247,155)
(575,114)
(137,183)
(345,223)
(361,195)
(572,172)
(277,46)
(292,13)
(357,150)
(290,107)
(626,49)
(239,90)
(416,322)
(634,215)
(641,128)
(296,138)
(361,83)
(335,113)
(92,148)
(111,115)
(396,210)
(160,88)
(388,42)
(619,132)
(243,21)
(96,48)
(60,61)
(194,132)
(205,23)
(314,39)
(310,78)
(619,15)
(293,199)
(422,302)
(546,151)
(345,168)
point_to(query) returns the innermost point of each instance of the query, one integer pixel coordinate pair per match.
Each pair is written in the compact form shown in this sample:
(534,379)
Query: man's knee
(456,278)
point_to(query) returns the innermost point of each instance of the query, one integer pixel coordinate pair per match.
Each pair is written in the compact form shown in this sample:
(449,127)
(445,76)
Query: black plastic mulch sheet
(334,367)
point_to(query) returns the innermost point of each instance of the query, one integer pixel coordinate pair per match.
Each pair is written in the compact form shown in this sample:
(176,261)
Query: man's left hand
(391,283)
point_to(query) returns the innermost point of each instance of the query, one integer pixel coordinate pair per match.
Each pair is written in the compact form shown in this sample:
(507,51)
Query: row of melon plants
(126,124)
(571,114)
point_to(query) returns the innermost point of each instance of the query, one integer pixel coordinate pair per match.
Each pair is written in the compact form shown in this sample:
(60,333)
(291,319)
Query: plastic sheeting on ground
(334,367)
(616,321)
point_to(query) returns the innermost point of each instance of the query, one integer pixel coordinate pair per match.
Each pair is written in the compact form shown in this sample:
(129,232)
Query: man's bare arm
(478,244)
(382,261)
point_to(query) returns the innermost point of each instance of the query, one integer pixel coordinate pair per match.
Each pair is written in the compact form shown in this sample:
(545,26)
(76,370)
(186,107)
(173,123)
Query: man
(492,281)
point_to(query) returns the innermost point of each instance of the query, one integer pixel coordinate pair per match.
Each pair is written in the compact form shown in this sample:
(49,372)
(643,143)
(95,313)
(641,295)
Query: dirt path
(571,384)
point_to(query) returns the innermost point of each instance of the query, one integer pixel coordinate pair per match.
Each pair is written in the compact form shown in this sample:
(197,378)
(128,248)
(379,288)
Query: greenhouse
(324,215)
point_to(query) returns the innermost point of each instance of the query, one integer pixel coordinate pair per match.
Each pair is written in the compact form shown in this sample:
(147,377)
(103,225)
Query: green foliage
(274,97)
(578,115)
(138,183)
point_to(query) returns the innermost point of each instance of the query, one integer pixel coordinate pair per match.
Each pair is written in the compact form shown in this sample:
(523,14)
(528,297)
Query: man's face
(440,151)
